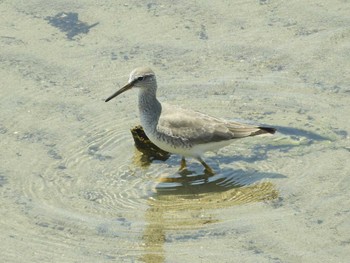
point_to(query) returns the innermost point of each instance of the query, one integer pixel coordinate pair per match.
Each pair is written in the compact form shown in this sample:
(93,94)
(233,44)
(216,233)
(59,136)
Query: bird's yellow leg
(208,169)
(183,164)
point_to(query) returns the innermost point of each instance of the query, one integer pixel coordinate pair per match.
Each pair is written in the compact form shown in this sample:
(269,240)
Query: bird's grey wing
(198,127)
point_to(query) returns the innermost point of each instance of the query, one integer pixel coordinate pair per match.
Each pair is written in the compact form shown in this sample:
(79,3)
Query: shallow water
(74,188)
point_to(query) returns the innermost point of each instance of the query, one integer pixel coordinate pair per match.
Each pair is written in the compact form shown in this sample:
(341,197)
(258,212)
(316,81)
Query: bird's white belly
(195,150)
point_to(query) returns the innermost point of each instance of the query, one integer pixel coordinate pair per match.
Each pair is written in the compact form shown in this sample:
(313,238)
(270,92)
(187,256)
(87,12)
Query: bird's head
(142,77)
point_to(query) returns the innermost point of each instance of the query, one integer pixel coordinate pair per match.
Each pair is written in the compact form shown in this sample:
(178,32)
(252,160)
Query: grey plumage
(199,128)
(182,131)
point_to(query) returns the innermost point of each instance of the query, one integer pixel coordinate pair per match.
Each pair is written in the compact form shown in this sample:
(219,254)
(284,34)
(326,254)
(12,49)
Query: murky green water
(74,188)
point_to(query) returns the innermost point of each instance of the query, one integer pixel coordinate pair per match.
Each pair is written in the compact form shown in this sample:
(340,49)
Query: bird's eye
(140,78)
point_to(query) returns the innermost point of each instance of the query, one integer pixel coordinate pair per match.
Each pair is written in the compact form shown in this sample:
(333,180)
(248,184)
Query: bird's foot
(183,168)
(207,170)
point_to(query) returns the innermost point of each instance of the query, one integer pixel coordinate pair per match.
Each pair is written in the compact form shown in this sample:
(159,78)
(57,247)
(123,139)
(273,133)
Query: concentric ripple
(94,171)
(94,174)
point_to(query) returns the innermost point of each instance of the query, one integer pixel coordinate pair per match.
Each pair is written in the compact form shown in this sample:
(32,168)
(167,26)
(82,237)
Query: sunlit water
(75,189)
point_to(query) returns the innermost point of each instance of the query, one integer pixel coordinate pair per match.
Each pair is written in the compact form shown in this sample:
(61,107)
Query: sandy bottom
(73,188)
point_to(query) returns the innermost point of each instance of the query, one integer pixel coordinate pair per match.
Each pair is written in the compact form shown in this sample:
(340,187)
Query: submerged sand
(74,188)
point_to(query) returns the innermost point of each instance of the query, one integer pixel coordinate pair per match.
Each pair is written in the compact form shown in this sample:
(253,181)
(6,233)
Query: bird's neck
(149,108)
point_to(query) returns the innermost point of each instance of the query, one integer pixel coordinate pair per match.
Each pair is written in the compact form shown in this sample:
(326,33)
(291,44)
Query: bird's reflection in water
(187,201)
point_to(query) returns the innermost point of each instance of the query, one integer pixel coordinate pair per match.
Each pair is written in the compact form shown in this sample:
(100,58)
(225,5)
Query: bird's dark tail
(264,130)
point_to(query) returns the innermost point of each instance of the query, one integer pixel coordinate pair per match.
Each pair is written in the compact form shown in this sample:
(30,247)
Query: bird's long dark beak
(123,89)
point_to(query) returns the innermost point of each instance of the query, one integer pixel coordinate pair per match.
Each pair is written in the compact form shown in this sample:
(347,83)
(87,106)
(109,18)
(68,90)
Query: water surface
(74,188)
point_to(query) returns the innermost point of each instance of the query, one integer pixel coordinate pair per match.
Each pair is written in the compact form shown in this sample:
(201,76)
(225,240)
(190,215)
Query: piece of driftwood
(144,145)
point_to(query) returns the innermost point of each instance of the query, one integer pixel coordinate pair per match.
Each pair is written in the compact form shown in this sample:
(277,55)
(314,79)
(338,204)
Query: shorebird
(182,131)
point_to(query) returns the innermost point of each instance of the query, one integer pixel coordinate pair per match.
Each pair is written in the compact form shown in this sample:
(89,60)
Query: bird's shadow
(259,152)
